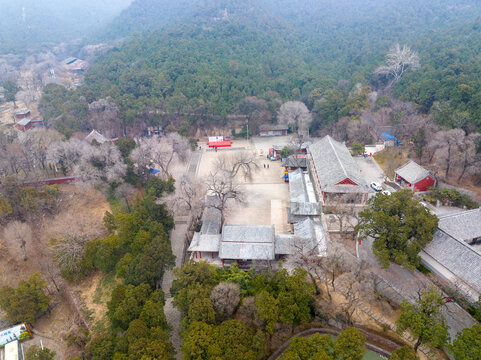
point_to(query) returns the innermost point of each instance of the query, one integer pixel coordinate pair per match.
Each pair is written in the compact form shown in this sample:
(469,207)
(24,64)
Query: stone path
(177,239)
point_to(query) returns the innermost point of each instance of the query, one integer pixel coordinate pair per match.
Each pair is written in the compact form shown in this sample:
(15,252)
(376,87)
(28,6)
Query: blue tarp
(154,171)
(386,136)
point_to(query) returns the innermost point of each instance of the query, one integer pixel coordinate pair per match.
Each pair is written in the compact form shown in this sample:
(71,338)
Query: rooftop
(458,257)
(462,226)
(205,242)
(334,163)
(24,121)
(95,135)
(22,111)
(299,191)
(412,172)
(295,161)
(308,236)
(247,242)
(297,186)
(211,218)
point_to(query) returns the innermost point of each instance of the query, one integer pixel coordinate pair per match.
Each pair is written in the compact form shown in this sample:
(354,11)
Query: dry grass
(81,213)
(392,158)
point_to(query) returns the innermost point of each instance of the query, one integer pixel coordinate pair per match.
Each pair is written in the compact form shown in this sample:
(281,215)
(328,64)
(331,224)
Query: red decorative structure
(219,144)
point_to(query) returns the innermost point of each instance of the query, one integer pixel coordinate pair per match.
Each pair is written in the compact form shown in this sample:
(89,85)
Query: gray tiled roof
(205,242)
(306,209)
(300,204)
(95,135)
(24,121)
(211,218)
(459,258)
(308,236)
(247,242)
(22,111)
(334,163)
(295,161)
(297,186)
(463,226)
(412,172)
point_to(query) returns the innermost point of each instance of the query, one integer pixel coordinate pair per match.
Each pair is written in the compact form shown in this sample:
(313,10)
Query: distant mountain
(401,18)
(30,24)
(148,15)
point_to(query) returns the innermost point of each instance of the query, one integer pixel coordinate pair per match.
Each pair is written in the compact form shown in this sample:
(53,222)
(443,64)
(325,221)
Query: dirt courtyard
(266,193)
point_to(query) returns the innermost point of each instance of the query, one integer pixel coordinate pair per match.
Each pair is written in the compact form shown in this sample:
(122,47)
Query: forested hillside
(449,83)
(206,56)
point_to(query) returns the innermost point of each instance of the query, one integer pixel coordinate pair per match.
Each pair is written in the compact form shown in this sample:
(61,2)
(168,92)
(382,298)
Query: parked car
(377,187)
(386,192)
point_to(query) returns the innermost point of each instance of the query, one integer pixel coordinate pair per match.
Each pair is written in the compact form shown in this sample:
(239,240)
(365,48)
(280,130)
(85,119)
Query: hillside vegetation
(204,57)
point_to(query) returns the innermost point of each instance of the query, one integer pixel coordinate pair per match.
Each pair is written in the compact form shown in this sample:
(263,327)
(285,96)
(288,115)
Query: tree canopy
(424,319)
(467,344)
(26,301)
(400,226)
(349,345)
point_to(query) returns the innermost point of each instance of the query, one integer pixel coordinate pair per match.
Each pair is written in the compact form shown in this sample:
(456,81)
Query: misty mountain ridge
(29,25)
(309,17)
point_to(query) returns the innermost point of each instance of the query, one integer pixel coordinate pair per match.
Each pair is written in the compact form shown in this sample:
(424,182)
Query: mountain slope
(29,24)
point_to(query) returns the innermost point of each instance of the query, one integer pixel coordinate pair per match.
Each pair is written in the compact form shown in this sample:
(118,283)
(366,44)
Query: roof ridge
(337,156)
(456,213)
(461,242)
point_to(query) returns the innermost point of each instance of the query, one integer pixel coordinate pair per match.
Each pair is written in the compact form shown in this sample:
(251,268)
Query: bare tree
(354,285)
(225,299)
(295,113)
(68,253)
(398,61)
(66,154)
(324,269)
(221,185)
(240,162)
(16,236)
(101,165)
(161,152)
(142,158)
(39,142)
(347,217)
(188,198)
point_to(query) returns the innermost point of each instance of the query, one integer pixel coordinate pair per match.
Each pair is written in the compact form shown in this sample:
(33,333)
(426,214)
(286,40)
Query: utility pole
(247,122)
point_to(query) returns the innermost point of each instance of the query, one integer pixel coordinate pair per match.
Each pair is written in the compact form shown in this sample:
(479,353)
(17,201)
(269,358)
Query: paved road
(177,239)
(407,284)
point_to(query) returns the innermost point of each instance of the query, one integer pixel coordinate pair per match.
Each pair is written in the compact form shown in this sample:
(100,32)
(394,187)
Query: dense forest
(204,57)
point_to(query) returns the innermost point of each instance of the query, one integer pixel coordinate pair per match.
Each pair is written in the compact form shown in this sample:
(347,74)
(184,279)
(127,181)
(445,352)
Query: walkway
(178,241)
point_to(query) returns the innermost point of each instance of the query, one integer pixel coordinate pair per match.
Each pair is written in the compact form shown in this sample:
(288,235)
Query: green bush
(452,197)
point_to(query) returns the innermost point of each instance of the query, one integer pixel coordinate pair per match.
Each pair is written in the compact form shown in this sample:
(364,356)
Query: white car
(377,187)
(386,192)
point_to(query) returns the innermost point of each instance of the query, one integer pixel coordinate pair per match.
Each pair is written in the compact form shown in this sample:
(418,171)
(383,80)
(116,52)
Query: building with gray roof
(294,162)
(211,217)
(273,130)
(414,176)
(454,254)
(303,198)
(244,242)
(337,177)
